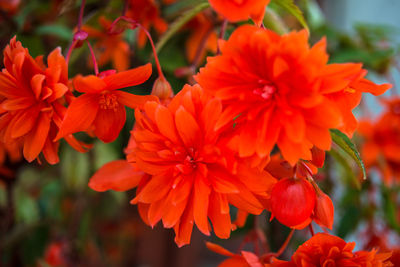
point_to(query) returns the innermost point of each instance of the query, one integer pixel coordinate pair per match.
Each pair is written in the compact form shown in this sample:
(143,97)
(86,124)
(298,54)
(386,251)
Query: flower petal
(128,78)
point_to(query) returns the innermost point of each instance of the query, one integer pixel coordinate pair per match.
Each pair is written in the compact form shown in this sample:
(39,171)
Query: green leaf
(349,221)
(179,23)
(290,7)
(347,145)
(348,173)
(61,31)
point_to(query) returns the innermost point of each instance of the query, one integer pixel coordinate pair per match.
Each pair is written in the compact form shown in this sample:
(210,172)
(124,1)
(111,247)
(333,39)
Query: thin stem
(311,228)
(71,47)
(126,6)
(80,19)
(284,245)
(158,65)
(96,67)
(222,34)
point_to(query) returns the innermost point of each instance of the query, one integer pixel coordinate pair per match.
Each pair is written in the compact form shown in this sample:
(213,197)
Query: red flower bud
(162,89)
(292,201)
(324,210)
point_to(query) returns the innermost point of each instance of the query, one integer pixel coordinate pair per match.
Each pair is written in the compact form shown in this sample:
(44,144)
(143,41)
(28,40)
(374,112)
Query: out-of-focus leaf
(179,22)
(345,143)
(290,7)
(348,174)
(61,31)
(103,153)
(75,168)
(274,22)
(178,7)
(26,209)
(390,210)
(349,221)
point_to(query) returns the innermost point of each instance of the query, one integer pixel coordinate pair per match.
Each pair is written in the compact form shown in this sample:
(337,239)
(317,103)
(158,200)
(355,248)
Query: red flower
(328,250)
(382,142)
(102,105)
(190,174)
(237,10)
(109,47)
(146,13)
(281,91)
(32,101)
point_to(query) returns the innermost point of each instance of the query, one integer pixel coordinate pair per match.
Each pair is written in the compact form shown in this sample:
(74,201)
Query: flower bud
(162,89)
(324,210)
(292,201)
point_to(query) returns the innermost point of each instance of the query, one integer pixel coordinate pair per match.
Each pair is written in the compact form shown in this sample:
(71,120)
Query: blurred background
(50,217)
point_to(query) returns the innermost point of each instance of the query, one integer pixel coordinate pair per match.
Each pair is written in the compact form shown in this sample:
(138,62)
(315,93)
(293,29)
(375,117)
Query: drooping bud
(162,89)
(292,201)
(324,210)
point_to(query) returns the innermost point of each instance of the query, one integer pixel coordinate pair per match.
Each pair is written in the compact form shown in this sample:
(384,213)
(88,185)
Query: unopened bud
(162,89)
(324,210)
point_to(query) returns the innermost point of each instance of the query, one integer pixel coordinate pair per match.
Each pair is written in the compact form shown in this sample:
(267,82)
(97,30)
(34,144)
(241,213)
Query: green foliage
(290,7)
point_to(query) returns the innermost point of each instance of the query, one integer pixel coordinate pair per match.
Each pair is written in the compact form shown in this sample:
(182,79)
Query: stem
(311,229)
(126,6)
(158,65)
(284,245)
(71,47)
(222,34)
(96,68)
(81,15)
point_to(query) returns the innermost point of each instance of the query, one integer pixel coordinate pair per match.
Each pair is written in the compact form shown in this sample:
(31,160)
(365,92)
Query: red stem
(71,47)
(284,245)
(81,15)
(96,67)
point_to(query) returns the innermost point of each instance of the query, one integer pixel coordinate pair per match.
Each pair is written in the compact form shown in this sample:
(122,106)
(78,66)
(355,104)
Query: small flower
(279,91)
(102,105)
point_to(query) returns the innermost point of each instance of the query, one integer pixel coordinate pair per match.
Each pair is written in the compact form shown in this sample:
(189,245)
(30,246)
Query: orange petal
(128,78)
(200,203)
(35,140)
(89,84)
(108,123)
(133,101)
(118,175)
(80,115)
(187,127)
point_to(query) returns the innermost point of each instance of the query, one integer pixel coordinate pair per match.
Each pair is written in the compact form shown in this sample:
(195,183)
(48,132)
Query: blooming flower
(146,13)
(328,250)
(109,47)
(102,105)
(190,174)
(32,98)
(382,142)
(245,259)
(281,91)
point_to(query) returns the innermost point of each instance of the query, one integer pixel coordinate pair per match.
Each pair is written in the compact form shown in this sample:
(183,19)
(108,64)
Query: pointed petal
(35,140)
(128,78)
(109,123)
(187,127)
(133,101)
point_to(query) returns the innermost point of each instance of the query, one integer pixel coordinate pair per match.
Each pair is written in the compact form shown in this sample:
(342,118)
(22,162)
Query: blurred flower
(328,250)
(32,100)
(278,90)
(146,13)
(102,105)
(246,259)
(190,174)
(109,47)
(381,144)
(9,6)
(202,38)
(237,10)
(54,255)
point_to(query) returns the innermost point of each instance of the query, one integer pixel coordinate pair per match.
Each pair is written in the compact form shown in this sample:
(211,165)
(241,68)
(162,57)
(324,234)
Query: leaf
(348,173)
(179,23)
(349,221)
(290,7)
(345,143)
(61,31)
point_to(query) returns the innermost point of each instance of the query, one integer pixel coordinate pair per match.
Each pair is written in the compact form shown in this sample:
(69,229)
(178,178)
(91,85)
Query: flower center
(189,163)
(265,90)
(108,101)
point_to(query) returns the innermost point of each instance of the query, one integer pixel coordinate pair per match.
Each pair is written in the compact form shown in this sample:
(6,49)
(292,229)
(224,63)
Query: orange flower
(102,105)
(32,101)
(281,91)
(201,30)
(190,175)
(146,13)
(237,10)
(246,259)
(382,142)
(109,47)
(328,250)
